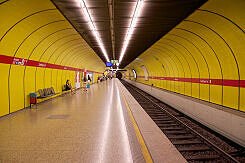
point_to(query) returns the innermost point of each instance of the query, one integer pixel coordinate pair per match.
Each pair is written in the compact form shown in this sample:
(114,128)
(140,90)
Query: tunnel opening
(119,75)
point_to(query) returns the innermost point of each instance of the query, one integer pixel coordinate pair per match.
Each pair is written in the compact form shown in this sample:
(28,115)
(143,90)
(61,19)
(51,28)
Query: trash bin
(33,98)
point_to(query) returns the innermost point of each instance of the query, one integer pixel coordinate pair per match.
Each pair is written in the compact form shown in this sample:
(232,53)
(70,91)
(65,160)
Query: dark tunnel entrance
(119,75)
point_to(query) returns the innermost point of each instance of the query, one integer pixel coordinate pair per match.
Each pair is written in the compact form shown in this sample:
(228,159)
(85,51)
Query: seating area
(46,92)
(64,88)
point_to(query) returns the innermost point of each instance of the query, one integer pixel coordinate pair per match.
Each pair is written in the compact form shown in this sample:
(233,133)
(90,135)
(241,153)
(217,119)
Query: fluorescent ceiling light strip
(92,27)
(130,31)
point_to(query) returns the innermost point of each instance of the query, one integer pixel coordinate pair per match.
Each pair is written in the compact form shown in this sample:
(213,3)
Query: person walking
(85,84)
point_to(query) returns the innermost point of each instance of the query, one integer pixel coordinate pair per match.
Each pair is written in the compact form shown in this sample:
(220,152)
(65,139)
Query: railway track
(194,141)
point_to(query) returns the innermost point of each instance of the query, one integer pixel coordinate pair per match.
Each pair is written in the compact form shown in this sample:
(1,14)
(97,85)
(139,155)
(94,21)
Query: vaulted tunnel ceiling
(157,18)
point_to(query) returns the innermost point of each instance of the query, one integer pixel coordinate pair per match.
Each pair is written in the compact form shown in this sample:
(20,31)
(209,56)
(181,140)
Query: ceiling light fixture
(93,29)
(130,31)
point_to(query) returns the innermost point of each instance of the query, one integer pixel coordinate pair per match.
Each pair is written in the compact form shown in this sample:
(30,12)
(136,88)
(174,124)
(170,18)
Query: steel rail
(216,148)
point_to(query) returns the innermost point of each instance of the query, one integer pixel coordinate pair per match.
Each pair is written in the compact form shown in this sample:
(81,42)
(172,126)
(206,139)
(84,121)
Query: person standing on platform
(85,84)
(89,80)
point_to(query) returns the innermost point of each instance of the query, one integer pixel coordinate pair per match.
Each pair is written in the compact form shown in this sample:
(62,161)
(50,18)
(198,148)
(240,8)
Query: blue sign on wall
(109,64)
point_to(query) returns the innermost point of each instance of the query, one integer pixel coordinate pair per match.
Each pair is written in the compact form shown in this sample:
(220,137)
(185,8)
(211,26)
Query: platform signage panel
(109,64)
(114,62)
(19,61)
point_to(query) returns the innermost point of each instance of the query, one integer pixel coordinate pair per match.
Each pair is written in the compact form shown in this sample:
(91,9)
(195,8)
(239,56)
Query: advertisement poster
(77,80)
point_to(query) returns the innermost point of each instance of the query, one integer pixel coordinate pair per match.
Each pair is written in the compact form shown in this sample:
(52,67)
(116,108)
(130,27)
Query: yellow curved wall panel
(39,49)
(242,97)
(203,56)
(231,9)
(16,88)
(4,109)
(29,83)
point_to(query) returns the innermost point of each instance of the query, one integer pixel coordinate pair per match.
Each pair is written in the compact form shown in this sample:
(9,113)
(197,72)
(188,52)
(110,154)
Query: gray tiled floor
(85,127)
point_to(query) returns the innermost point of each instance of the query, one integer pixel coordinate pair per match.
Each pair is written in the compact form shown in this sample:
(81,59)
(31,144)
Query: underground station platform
(122,81)
(104,124)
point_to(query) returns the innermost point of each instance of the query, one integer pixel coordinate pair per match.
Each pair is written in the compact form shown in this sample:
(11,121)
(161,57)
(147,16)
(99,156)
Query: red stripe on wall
(216,81)
(242,83)
(24,62)
(205,81)
(187,79)
(233,83)
(140,77)
(195,80)
(225,82)
(6,59)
